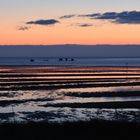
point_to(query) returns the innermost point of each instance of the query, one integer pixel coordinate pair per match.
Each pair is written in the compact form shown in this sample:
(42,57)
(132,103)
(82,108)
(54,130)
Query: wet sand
(40,97)
(68,78)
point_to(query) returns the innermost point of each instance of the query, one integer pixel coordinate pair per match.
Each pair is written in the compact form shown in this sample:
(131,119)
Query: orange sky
(65,32)
(107,33)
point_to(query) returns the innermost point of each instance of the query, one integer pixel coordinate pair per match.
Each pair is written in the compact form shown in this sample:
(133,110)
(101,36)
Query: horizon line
(69,44)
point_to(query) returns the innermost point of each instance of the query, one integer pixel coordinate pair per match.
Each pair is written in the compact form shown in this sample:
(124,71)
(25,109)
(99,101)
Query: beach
(92,99)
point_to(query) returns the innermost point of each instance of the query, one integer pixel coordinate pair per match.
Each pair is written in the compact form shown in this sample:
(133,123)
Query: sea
(69,61)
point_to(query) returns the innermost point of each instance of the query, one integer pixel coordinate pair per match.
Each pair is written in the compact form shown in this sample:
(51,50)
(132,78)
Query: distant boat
(32,60)
(66,59)
(72,59)
(60,59)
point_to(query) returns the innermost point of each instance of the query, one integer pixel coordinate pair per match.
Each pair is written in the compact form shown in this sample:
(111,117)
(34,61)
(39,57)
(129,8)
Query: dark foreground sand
(93,130)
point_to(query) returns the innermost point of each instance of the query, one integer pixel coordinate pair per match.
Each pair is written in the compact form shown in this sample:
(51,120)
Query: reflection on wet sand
(63,93)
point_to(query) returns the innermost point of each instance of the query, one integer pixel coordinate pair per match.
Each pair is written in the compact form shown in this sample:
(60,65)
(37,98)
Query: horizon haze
(97,51)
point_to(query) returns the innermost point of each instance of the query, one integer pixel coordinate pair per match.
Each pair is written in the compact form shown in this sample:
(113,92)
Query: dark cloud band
(67,16)
(84,25)
(126,17)
(23,28)
(44,22)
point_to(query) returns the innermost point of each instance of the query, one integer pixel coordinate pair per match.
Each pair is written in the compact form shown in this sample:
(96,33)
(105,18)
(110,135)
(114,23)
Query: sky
(46,22)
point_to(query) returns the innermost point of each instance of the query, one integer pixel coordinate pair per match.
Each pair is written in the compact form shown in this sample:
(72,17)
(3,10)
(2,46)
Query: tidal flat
(66,97)
(69,93)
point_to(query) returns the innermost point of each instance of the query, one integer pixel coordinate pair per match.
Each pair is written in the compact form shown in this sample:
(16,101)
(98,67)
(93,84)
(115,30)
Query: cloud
(44,22)
(125,17)
(90,15)
(84,24)
(67,16)
(23,28)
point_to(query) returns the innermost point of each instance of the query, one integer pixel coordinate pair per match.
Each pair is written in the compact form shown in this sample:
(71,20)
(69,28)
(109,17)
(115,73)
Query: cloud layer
(67,16)
(125,17)
(23,28)
(44,22)
(84,24)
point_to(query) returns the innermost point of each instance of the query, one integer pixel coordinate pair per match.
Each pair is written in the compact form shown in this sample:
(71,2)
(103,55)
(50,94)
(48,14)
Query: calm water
(72,61)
